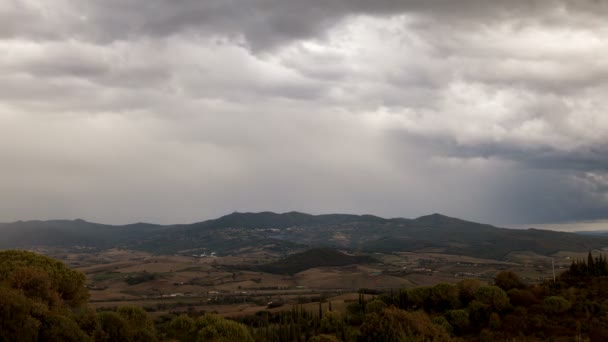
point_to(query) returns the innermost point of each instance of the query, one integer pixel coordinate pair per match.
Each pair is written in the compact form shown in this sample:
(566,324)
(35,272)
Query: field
(227,285)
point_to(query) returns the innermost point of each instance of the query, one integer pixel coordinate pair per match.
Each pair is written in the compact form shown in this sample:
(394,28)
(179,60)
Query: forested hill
(317,257)
(293,231)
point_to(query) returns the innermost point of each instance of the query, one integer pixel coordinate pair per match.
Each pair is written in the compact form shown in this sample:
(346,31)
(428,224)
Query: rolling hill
(316,257)
(293,231)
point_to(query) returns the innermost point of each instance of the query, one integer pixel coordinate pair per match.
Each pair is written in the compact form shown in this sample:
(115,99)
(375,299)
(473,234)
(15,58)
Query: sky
(174,111)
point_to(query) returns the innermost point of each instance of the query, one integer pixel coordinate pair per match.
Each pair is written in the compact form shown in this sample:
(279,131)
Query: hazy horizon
(575,226)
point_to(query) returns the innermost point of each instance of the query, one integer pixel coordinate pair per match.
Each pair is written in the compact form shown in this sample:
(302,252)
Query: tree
(493,296)
(459,320)
(556,305)
(324,338)
(376,306)
(182,328)
(508,280)
(467,288)
(140,325)
(112,328)
(214,328)
(17,322)
(37,297)
(444,297)
(43,277)
(61,328)
(522,297)
(398,325)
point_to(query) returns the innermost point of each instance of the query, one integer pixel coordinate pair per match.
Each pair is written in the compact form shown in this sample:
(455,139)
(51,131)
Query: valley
(231,285)
(239,263)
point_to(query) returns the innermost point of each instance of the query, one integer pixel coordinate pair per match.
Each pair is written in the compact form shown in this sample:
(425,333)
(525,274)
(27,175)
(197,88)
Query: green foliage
(373,234)
(140,325)
(61,328)
(37,295)
(332,323)
(492,296)
(459,320)
(182,328)
(355,313)
(580,270)
(419,297)
(207,328)
(35,306)
(43,277)
(86,318)
(376,306)
(442,322)
(556,305)
(112,327)
(214,328)
(444,297)
(17,321)
(140,278)
(508,280)
(494,322)
(522,297)
(467,289)
(398,325)
(324,338)
(317,257)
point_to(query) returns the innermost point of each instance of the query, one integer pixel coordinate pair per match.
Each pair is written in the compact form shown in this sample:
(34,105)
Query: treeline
(573,307)
(43,300)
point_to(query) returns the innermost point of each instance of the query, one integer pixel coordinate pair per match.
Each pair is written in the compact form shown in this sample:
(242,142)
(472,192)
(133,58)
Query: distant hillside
(285,233)
(594,233)
(268,219)
(317,257)
(69,233)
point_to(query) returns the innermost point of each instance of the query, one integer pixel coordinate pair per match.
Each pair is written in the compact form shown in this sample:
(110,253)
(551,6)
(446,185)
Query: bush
(508,280)
(556,305)
(459,320)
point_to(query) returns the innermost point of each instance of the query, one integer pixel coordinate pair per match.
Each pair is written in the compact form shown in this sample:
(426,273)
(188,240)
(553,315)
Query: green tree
(37,298)
(444,297)
(376,306)
(522,297)
(140,325)
(556,305)
(324,338)
(214,328)
(43,277)
(112,328)
(398,325)
(467,289)
(17,322)
(419,298)
(332,323)
(61,328)
(182,328)
(493,296)
(459,320)
(508,280)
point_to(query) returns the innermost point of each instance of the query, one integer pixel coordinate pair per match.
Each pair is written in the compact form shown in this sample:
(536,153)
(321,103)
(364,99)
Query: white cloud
(128,112)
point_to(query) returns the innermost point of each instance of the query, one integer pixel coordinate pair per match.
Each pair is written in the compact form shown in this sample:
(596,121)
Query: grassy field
(163,284)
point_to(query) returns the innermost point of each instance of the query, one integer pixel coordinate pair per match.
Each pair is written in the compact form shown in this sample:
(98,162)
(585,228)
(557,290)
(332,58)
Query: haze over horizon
(179,111)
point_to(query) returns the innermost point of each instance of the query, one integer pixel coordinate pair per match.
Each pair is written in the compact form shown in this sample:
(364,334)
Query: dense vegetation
(316,257)
(42,300)
(290,232)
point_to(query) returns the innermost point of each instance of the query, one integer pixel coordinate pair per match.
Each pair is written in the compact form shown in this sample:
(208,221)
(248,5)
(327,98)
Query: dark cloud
(175,111)
(263,22)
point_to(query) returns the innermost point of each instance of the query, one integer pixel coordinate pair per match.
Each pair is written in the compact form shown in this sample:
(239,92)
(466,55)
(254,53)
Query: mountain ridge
(287,232)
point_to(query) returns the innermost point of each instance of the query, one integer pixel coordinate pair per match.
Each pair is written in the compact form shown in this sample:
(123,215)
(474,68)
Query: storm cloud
(177,111)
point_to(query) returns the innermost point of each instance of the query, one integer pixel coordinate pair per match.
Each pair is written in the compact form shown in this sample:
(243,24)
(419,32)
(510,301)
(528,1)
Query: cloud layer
(176,111)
